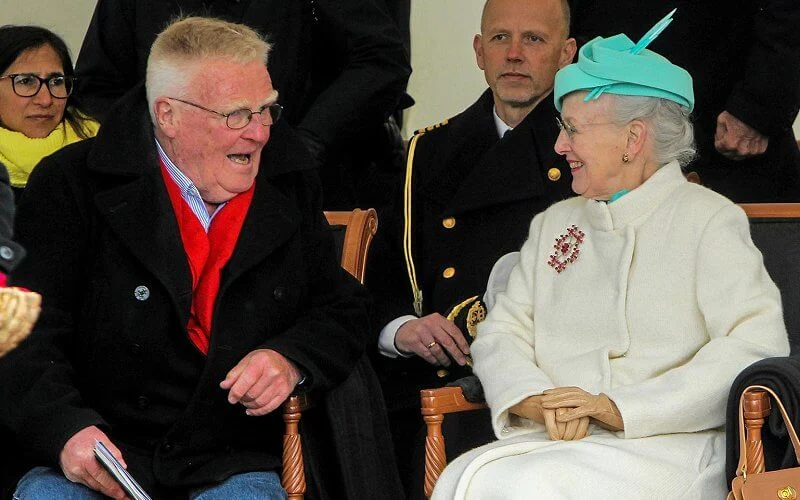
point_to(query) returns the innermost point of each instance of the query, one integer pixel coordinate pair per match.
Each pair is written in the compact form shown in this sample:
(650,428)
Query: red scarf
(207,253)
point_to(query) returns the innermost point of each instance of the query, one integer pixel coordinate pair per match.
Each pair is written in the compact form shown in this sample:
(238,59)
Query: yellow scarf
(20,153)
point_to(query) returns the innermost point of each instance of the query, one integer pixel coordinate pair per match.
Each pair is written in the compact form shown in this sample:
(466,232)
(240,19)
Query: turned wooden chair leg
(756,409)
(434,405)
(293,477)
(435,457)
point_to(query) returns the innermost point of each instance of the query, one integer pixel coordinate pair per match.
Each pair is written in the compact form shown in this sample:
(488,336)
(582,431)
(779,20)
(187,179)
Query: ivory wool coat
(665,302)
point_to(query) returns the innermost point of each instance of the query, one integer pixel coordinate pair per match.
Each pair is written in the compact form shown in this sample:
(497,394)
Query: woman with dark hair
(38,113)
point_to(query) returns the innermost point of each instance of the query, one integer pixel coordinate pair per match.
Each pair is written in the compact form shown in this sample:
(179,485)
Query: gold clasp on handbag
(787,493)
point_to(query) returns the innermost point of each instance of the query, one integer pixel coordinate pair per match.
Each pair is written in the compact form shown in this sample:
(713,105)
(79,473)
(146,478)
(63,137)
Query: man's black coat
(111,348)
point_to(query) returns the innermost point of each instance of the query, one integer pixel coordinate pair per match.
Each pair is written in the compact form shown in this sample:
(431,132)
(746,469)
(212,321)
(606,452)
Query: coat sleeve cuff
(386,345)
(51,435)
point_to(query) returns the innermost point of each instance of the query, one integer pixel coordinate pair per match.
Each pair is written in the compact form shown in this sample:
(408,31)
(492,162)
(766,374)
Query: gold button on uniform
(449,272)
(449,222)
(554,174)
(442,373)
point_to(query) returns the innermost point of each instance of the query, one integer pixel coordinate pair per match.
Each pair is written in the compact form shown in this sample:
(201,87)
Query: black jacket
(99,224)
(492,188)
(10,252)
(340,67)
(336,63)
(744,57)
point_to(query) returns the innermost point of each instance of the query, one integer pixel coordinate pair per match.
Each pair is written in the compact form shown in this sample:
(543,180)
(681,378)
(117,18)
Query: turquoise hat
(618,66)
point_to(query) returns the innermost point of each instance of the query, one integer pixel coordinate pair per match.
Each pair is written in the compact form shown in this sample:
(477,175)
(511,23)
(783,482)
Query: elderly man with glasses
(190,283)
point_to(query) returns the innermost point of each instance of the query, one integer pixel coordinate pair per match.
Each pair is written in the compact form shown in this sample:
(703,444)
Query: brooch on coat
(566,248)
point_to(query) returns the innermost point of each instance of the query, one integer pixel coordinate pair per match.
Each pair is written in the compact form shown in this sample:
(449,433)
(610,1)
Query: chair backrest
(775,228)
(353,232)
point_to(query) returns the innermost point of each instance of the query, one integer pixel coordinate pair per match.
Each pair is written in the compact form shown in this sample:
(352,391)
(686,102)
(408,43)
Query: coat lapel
(142,218)
(516,167)
(130,195)
(270,222)
(470,135)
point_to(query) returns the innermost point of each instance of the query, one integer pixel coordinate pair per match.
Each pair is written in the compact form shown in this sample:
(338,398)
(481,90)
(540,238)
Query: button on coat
(141,292)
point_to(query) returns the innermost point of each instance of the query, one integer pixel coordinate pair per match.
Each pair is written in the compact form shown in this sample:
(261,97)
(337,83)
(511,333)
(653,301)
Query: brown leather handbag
(770,485)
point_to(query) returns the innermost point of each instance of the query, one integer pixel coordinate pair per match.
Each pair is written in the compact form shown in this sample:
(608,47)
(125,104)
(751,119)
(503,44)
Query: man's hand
(531,408)
(579,404)
(431,338)
(737,140)
(261,381)
(80,465)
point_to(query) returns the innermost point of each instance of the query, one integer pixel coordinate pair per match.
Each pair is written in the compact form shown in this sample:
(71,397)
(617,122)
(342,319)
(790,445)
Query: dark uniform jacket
(473,198)
(744,57)
(111,348)
(340,65)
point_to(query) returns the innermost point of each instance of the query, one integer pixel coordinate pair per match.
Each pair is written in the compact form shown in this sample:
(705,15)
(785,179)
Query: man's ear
(567,52)
(478,48)
(165,117)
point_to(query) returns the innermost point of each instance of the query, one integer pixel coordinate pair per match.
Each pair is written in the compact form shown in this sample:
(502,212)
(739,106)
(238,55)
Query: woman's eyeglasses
(566,127)
(28,85)
(570,129)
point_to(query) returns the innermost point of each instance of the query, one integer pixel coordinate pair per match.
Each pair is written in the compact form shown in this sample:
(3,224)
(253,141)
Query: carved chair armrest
(757,408)
(293,476)
(435,404)
(359,228)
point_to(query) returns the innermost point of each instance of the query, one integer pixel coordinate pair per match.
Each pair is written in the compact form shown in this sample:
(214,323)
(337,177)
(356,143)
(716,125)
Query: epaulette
(431,127)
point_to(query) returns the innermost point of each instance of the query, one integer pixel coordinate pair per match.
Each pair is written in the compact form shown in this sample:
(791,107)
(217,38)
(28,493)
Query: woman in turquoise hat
(607,361)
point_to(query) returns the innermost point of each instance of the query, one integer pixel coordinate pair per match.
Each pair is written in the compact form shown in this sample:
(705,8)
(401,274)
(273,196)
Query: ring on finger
(430,346)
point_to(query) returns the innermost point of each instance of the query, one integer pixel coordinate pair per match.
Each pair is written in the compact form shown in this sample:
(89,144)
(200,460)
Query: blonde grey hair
(179,50)
(673,133)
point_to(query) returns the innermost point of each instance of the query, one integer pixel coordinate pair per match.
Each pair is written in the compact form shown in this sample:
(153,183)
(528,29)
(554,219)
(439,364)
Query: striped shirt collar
(189,191)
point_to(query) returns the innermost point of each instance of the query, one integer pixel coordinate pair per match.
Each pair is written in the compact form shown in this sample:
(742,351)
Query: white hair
(179,51)
(672,130)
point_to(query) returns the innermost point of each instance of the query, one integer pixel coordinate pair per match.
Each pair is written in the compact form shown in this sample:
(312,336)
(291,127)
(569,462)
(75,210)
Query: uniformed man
(473,184)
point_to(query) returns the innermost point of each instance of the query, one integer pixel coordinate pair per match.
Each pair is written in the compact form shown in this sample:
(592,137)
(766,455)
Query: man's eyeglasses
(28,85)
(241,117)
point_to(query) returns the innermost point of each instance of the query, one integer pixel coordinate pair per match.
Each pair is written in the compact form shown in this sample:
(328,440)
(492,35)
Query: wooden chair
(780,244)
(767,222)
(353,231)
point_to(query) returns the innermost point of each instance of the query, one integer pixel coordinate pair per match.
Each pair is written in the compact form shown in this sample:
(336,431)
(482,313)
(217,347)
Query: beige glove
(19,310)
(531,408)
(583,404)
